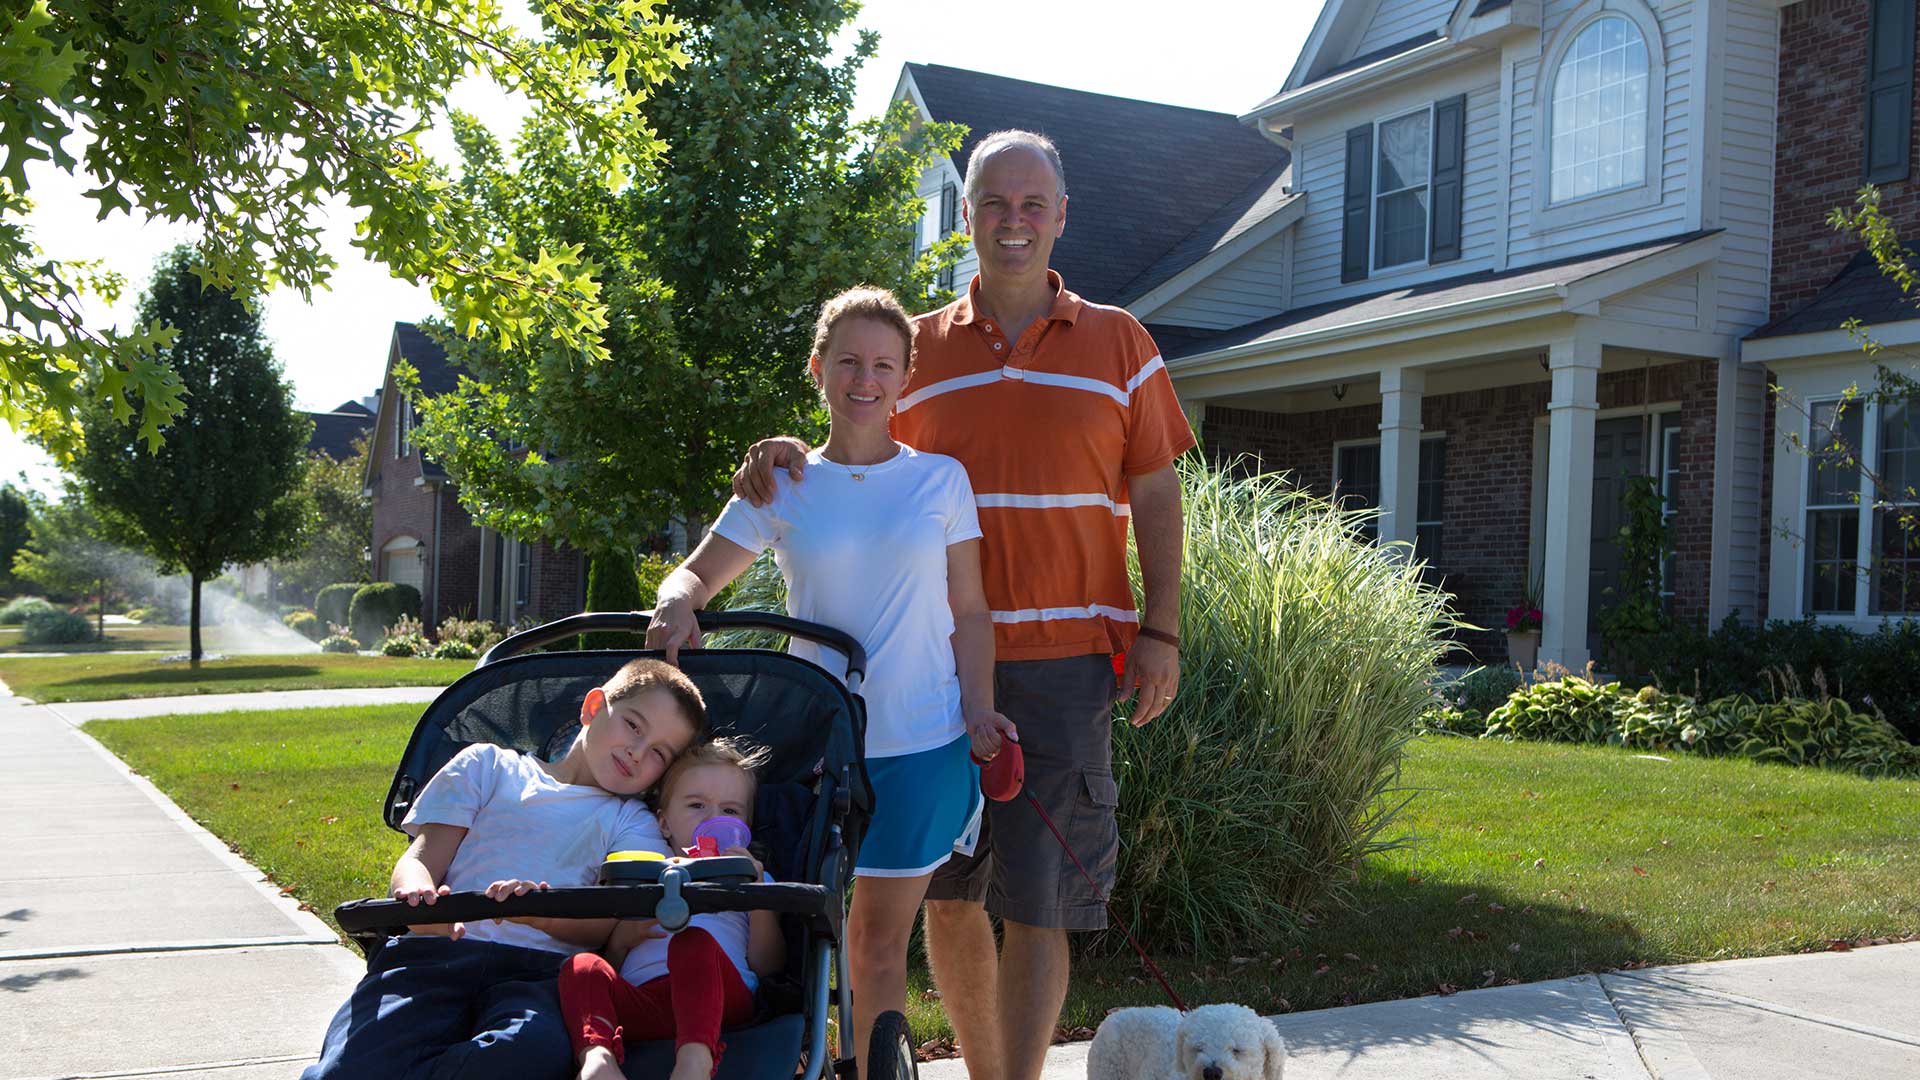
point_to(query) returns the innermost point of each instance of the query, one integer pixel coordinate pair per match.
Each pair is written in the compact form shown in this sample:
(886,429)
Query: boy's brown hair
(725,750)
(646,674)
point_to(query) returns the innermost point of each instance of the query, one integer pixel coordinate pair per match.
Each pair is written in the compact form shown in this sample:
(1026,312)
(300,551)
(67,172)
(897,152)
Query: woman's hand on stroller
(674,626)
(985,729)
(427,895)
(759,870)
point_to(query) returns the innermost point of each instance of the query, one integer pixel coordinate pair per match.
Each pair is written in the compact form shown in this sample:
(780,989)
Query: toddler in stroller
(811,812)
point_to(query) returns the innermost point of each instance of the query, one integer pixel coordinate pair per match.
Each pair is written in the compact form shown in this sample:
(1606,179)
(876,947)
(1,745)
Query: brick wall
(458,574)
(1821,140)
(559,582)
(1489,478)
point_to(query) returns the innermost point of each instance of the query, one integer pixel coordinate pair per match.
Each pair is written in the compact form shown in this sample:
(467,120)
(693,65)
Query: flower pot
(1523,648)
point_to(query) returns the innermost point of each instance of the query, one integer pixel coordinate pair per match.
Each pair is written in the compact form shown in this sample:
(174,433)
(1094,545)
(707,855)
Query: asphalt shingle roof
(436,375)
(1141,177)
(334,432)
(1858,291)
(1174,343)
(1257,203)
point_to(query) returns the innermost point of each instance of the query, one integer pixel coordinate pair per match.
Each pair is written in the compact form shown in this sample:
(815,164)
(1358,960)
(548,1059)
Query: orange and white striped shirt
(1049,429)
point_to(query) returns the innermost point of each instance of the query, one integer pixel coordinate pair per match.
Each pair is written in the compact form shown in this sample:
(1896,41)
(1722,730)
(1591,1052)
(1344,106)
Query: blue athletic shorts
(925,806)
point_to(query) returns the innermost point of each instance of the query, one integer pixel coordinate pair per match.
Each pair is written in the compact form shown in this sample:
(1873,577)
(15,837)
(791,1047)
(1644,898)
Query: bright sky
(1215,54)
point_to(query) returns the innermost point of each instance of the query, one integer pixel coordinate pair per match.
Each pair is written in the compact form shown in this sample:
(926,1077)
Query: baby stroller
(813,807)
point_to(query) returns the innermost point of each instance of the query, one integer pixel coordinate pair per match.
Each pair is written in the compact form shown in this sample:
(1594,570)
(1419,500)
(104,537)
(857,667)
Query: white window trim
(1374,268)
(1548,214)
(1866,506)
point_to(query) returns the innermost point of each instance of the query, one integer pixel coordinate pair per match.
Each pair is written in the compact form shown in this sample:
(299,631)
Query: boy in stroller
(682,987)
(480,1000)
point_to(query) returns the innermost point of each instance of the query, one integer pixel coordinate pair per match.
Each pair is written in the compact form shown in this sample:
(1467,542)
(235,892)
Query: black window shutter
(1356,212)
(1889,120)
(949,224)
(1449,171)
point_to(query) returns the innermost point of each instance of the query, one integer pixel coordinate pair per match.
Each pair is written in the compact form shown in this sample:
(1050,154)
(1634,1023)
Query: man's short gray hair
(1001,140)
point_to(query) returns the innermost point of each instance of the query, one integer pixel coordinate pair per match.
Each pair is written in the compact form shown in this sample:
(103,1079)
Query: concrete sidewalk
(133,943)
(1824,1016)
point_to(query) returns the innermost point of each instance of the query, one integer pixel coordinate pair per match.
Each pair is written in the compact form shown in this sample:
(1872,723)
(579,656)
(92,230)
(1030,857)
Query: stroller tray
(592,902)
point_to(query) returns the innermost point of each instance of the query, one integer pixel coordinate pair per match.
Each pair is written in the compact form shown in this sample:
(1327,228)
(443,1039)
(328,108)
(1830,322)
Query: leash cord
(1152,968)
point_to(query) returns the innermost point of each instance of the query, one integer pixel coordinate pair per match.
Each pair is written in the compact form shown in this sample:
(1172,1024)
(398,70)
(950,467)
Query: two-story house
(423,537)
(1835,547)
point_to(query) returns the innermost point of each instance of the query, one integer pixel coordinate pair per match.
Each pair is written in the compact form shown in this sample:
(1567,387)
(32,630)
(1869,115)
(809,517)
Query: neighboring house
(1848,116)
(423,537)
(335,431)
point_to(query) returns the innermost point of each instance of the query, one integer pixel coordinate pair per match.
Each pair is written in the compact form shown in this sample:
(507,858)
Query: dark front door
(1619,451)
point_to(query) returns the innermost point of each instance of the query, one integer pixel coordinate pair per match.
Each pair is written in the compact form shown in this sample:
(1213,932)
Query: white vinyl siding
(1250,287)
(1395,21)
(1673,304)
(1748,77)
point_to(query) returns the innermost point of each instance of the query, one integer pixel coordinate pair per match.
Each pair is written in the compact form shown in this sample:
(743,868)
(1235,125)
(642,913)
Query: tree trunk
(193,628)
(100,619)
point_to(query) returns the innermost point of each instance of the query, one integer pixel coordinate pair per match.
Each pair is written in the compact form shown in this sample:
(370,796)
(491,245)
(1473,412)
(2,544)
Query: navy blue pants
(430,1007)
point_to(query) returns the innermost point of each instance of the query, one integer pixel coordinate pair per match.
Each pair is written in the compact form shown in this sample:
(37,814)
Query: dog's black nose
(1211,1072)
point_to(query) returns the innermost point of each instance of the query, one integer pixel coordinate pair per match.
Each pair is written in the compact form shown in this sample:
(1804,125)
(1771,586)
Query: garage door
(404,564)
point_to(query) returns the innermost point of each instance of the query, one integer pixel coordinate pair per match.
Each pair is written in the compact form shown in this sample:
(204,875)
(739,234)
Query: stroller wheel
(890,1050)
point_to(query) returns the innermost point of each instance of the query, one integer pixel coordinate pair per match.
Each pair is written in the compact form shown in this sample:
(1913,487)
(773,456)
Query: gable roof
(1142,177)
(352,407)
(1858,291)
(1487,286)
(334,432)
(1259,201)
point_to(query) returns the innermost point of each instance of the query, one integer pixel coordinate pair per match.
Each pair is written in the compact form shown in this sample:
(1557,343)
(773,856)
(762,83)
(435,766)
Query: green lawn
(141,636)
(1532,861)
(99,678)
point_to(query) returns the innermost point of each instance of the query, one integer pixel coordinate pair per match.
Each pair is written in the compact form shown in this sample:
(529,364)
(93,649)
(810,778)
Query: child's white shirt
(522,823)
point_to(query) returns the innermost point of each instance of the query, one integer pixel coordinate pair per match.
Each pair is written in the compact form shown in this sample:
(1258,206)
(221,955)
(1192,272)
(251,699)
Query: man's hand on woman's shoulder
(753,480)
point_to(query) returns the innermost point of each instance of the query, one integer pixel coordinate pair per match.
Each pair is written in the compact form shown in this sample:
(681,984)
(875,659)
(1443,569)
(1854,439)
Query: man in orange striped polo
(1064,417)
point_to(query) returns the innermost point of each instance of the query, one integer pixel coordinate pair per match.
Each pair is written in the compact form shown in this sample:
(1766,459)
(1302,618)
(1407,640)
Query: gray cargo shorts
(1064,711)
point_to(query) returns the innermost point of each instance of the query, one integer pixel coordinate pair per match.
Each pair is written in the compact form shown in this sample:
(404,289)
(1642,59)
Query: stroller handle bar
(589,902)
(636,622)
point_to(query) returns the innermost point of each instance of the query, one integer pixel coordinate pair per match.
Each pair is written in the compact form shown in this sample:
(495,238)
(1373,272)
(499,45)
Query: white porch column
(1400,394)
(1575,364)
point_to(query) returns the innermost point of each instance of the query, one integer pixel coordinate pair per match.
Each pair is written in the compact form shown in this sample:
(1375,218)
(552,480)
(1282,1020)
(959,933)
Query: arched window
(1599,116)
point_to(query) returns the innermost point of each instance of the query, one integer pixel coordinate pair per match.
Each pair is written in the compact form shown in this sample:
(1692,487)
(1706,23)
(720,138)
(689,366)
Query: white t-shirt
(522,823)
(870,557)
(648,960)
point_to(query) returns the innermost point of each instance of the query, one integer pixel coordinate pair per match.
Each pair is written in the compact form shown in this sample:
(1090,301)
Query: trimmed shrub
(304,623)
(1483,690)
(339,643)
(52,626)
(454,649)
(480,634)
(404,645)
(378,606)
(1880,670)
(17,609)
(138,614)
(613,585)
(332,602)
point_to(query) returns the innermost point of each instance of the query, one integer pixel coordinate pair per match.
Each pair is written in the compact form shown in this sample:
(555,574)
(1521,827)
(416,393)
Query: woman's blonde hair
(863,302)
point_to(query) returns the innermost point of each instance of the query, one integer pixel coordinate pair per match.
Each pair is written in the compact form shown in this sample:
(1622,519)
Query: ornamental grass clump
(1307,656)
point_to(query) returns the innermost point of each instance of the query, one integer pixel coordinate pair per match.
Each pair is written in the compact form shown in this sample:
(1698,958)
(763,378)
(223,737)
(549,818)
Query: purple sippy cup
(726,831)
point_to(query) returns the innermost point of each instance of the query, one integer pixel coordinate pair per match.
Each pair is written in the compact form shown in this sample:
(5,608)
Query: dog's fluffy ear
(1276,1050)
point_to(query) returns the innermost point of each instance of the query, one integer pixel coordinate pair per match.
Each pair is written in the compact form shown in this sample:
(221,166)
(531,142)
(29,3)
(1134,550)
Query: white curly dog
(1212,1042)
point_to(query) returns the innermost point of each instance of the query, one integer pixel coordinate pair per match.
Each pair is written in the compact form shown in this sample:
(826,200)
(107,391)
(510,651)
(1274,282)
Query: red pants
(701,991)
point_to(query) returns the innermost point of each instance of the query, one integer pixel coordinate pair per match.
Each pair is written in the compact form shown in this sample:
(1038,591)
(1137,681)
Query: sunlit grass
(103,677)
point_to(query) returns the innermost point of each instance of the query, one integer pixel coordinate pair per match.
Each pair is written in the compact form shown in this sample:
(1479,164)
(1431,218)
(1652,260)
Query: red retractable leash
(1003,778)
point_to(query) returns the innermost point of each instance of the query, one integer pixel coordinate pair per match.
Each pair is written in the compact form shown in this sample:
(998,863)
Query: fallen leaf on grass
(1446,989)
(1837,945)
(1639,872)
(1496,908)
(1351,956)
(1468,899)
(1514,948)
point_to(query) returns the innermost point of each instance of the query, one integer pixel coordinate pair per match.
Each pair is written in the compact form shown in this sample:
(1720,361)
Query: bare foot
(598,1064)
(693,1062)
